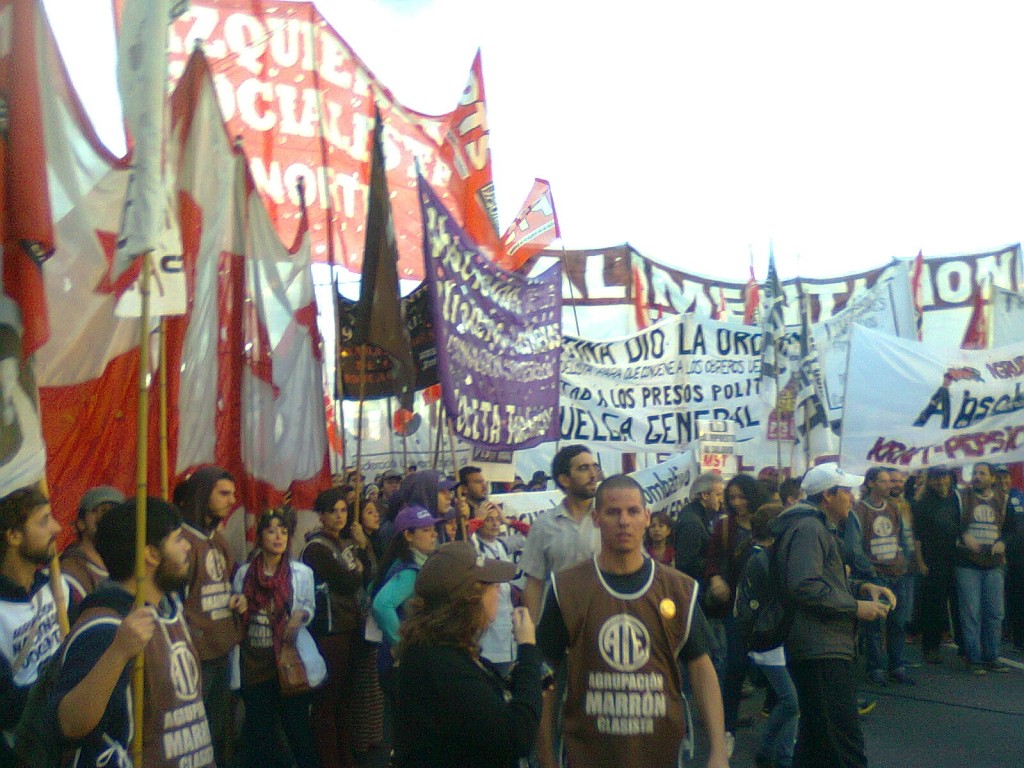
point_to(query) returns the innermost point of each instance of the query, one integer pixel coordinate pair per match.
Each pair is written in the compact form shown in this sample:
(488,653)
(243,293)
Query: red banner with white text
(303,103)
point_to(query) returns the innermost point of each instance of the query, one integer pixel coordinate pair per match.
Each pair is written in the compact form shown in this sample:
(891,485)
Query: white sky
(700,131)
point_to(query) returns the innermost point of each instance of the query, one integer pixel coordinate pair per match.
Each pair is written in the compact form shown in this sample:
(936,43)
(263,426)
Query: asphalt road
(949,719)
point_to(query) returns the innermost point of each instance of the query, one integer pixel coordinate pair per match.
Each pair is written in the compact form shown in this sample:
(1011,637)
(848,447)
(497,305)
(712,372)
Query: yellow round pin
(667,608)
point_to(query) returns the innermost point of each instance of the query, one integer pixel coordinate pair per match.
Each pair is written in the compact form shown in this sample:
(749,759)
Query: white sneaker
(730,744)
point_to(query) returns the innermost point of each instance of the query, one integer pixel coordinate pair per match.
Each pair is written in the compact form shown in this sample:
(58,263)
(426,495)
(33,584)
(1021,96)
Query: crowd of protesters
(395,632)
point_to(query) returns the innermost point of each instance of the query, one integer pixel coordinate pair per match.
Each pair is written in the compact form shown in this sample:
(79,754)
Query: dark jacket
(454,713)
(937,527)
(692,534)
(815,586)
(341,599)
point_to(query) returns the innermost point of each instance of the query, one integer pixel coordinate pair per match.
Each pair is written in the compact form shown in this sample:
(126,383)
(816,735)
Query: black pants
(1015,600)
(938,601)
(264,708)
(829,733)
(216,698)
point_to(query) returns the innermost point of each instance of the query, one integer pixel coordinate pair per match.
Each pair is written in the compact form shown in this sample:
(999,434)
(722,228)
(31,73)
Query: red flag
(718,309)
(751,299)
(916,276)
(466,148)
(28,239)
(976,335)
(639,300)
(533,230)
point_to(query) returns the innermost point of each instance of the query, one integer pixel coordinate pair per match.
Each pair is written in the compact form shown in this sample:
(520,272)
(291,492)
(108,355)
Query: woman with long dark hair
(414,539)
(728,550)
(280,603)
(455,709)
(348,709)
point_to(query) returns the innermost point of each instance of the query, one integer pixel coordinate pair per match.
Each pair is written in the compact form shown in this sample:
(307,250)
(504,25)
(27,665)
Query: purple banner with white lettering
(499,338)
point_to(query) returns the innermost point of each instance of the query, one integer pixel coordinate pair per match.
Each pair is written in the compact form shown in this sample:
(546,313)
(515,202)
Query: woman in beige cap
(454,708)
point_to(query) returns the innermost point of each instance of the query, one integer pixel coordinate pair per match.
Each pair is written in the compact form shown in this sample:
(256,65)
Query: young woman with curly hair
(728,551)
(454,708)
(280,604)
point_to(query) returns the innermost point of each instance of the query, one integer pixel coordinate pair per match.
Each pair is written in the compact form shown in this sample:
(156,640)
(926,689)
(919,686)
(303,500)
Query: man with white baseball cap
(821,601)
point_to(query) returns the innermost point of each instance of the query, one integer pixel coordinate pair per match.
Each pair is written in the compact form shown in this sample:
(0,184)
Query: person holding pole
(92,692)
(29,630)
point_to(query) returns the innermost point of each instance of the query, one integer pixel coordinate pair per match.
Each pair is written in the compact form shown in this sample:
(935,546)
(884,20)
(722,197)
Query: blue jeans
(736,661)
(895,628)
(980,593)
(780,731)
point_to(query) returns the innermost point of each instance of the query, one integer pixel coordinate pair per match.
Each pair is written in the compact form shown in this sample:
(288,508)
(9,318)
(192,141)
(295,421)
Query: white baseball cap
(828,475)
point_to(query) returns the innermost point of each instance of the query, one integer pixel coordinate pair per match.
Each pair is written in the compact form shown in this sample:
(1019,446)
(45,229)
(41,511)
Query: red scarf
(273,593)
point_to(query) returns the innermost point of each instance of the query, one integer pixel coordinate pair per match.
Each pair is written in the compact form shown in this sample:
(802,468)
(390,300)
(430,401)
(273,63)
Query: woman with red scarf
(279,592)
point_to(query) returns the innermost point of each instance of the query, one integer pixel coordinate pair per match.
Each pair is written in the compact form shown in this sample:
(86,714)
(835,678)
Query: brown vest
(175,731)
(983,519)
(338,613)
(214,626)
(82,574)
(882,530)
(623,706)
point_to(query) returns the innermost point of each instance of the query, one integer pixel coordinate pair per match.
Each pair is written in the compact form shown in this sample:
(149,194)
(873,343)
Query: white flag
(149,221)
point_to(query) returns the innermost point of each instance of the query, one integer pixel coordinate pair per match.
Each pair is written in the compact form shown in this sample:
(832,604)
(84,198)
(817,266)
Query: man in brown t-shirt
(80,563)
(207,499)
(621,621)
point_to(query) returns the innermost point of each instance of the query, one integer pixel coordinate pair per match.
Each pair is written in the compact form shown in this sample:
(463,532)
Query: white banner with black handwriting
(645,392)
(913,406)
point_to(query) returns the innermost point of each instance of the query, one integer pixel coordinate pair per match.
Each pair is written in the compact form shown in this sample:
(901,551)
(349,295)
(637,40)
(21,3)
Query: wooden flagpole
(165,481)
(56,582)
(365,349)
(437,439)
(451,448)
(335,300)
(141,468)
(572,292)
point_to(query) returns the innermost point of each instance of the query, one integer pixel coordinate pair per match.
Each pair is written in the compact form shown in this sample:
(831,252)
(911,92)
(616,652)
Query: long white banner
(645,392)
(886,306)
(666,488)
(913,406)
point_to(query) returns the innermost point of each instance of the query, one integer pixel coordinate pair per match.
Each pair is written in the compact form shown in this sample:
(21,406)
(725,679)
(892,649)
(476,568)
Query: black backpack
(761,614)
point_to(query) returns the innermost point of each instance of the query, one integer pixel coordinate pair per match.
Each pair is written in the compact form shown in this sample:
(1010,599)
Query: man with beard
(475,485)
(389,484)
(693,526)
(936,514)
(559,538)
(984,528)
(80,563)
(92,692)
(885,546)
(29,631)
(207,499)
